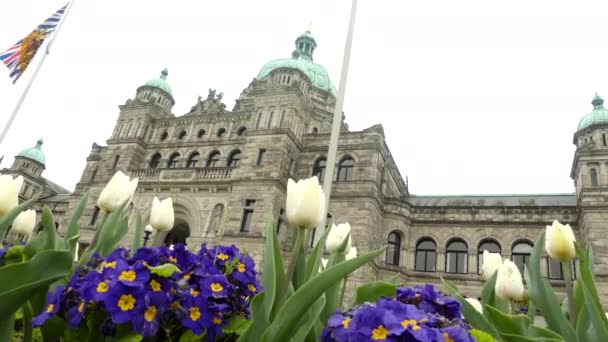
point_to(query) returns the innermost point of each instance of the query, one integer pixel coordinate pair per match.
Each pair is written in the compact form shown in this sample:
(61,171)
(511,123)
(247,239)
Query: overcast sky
(476,97)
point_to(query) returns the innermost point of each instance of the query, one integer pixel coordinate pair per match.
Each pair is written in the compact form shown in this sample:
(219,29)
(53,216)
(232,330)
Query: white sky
(474,96)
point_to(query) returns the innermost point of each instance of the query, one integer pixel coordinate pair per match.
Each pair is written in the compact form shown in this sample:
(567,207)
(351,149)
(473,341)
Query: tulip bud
(117,192)
(9,193)
(305,203)
(162,216)
(24,223)
(559,242)
(336,237)
(352,253)
(509,284)
(476,304)
(491,263)
(323,265)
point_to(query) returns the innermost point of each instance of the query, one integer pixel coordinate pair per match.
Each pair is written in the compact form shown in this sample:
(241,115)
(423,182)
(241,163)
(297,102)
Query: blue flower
(122,302)
(76,313)
(135,276)
(147,320)
(456,334)
(215,286)
(337,328)
(53,300)
(196,318)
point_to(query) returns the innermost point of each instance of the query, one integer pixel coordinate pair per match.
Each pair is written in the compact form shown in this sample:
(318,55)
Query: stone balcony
(182,174)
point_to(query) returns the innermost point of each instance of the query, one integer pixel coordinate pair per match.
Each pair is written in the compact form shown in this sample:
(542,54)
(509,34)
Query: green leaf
(371,292)
(46,239)
(54,328)
(165,270)
(94,321)
(520,338)
(73,228)
(536,331)
(299,274)
(473,317)
(14,255)
(139,228)
(597,319)
(81,333)
(7,326)
(508,324)
(287,318)
(236,325)
(125,333)
(481,336)
(21,281)
(543,296)
(332,294)
(188,336)
(27,322)
(306,324)
(314,260)
(9,217)
(530,303)
(259,320)
(274,274)
(488,295)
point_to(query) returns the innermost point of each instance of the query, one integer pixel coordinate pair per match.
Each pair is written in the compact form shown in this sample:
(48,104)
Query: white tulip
(559,242)
(323,265)
(9,193)
(476,304)
(162,216)
(24,222)
(305,203)
(117,192)
(509,284)
(352,253)
(336,238)
(491,263)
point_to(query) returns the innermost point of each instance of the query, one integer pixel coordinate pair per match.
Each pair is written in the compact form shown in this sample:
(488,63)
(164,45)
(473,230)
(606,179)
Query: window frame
(459,255)
(393,252)
(346,172)
(426,252)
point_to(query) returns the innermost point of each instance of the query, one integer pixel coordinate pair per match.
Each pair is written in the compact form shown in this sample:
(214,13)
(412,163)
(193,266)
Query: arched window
(181,135)
(163,136)
(345,169)
(520,253)
(214,159)
(221,132)
(593,175)
(216,218)
(315,130)
(486,245)
(155,161)
(456,257)
(241,131)
(425,255)
(394,249)
(173,161)
(319,169)
(201,133)
(193,160)
(234,159)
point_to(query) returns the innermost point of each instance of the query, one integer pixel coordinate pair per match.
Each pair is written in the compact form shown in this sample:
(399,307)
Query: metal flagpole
(337,121)
(31,81)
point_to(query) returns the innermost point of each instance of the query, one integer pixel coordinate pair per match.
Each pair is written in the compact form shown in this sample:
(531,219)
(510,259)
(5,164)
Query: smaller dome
(34,153)
(599,115)
(161,82)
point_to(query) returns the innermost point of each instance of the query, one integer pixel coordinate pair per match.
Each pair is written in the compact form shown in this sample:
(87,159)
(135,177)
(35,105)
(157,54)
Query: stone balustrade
(176,174)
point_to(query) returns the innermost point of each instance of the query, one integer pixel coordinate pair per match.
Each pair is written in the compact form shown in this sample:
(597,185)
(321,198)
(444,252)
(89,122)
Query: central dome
(599,115)
(302,60)
(34,153)
(161,82)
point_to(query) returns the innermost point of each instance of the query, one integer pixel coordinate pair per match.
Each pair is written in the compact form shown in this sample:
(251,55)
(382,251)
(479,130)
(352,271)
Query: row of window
(201,133)
(194,160)
(345,169)
(456,256)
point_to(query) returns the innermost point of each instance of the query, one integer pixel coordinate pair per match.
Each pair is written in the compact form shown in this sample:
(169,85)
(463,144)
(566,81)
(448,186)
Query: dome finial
(164,73)
(597,102)
(39,143)
(309,26)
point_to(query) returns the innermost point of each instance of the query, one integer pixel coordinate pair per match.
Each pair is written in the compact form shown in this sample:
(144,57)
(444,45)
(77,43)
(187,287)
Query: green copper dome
(301,59)
(34,153)
(599,115)
(161,82)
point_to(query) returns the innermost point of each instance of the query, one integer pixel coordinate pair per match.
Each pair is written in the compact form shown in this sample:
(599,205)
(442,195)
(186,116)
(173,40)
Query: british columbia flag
(18,57)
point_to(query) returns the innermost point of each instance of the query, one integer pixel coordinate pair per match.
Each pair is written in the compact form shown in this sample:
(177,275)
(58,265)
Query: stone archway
(178,234)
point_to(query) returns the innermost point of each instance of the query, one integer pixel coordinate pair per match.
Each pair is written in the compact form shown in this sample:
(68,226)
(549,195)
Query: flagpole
(34,75)
(337,120)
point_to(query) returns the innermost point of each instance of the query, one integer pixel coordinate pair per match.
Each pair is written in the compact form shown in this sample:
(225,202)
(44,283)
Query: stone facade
(230,168)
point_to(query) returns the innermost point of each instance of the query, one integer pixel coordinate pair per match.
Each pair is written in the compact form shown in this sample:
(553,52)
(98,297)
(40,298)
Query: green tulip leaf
(137,235)
(332,294)
(287,318)
(73,228)
(236,325)
(273,278)
(306,324)
(508,324)
(489,297)
(6,328)
(14,255)
(20,281)
(371,292)
(46,239)
(259,320)
(314,260)
(164,270)
(536,331)
(481,336)
(598,324)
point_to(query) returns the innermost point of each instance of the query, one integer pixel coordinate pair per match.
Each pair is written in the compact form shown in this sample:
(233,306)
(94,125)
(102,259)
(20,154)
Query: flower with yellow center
(126,302)
(216,287)
(217,321)
(222,256)
(50,307)
(172,259)
(81,307)
(195,314)
(194,293)
(187,276)
(127,276)
(345,322)
(241,267)
(111,264)
(447,337)
(155,285)
(150,313)
(410,323)
(252,288)
(102,287)
(380,333)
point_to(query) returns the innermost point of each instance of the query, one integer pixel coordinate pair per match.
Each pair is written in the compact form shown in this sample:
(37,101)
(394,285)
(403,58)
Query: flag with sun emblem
(18,57)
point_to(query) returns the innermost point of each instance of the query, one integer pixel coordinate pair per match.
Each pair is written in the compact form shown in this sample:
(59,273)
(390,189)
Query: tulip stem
(297,248)
(567,266)
(344,281)
(100,225)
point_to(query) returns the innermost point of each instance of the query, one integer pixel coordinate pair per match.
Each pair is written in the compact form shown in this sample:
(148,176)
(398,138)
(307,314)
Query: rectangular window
(95,215)
(282,119)
(247,215)
(261,154)
(25,188)
(604,138)
(289,172)
(116,158)
(270,120)
(257,123)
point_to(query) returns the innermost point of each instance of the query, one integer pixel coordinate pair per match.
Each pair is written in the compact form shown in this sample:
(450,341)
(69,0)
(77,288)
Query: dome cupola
(34,153)
(157,91)
(599,115)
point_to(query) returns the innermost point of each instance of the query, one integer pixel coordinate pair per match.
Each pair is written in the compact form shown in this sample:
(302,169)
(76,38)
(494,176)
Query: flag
(18,57)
